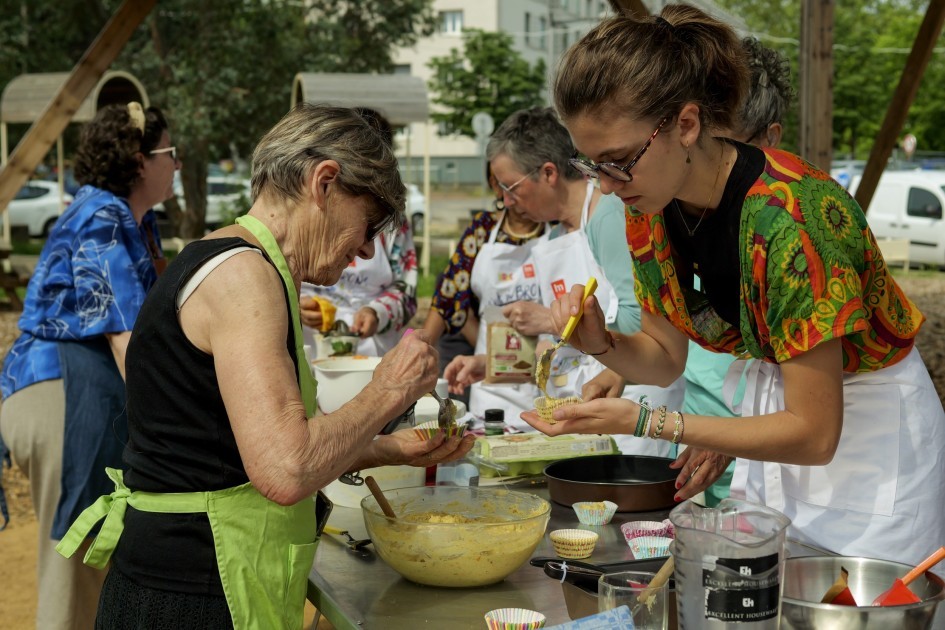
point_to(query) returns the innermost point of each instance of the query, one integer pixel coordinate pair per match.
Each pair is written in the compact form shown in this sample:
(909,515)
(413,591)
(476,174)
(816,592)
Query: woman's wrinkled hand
(407,448)
(465,370)
(364,323)
(604,415)
(528,318)
(408,370)
(590,335)
(310,313)
(607,384)
(699,469)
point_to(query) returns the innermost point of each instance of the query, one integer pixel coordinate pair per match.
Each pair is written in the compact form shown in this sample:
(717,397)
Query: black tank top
(180,439)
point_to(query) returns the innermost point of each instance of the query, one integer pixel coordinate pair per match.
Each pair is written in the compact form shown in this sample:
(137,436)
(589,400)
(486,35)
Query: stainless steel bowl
(807,579)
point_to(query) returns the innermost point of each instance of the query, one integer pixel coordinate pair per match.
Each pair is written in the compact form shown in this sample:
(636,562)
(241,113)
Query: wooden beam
(902,99)
(634,8)
(816,83)
(83,78)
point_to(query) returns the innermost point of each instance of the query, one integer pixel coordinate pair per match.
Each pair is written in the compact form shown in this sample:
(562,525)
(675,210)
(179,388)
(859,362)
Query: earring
(688,158)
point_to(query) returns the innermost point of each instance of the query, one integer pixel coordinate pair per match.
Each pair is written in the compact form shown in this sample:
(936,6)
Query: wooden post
(634,8)
(87,72)
(902,99)
(816,84)
(425,255)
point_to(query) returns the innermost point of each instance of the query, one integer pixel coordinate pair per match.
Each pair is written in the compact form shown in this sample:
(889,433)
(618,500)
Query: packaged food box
(529,453)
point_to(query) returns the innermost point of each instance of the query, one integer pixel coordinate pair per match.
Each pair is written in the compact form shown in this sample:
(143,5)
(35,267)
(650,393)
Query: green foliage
(426,283)
(488,75)
(872,39)
(221,70)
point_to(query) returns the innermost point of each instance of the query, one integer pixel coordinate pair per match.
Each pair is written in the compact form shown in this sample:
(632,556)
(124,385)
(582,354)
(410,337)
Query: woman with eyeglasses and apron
(841,429)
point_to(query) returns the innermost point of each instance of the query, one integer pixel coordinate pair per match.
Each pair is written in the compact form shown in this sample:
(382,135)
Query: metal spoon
(446,416)
(543,368)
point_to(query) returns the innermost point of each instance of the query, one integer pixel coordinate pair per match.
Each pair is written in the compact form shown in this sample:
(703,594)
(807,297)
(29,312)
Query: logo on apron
(529,270)
(558,288)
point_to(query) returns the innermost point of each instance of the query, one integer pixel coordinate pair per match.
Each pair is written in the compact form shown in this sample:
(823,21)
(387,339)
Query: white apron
(361,282)
(883,495)
(503,273)
(563,262)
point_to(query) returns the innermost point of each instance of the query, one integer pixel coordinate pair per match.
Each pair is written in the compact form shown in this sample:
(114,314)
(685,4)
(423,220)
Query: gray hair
(531,137)
(770,91)
(307,135)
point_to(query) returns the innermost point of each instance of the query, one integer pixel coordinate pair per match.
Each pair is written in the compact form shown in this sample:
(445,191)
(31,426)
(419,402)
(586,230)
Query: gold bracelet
(678,428)
(658,431)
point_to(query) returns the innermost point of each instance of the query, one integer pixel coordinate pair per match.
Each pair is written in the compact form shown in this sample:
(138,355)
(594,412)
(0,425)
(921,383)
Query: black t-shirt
(180,438)
(712,251)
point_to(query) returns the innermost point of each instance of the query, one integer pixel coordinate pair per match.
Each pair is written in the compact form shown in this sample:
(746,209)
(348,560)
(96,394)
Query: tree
(221,70)
(489,75)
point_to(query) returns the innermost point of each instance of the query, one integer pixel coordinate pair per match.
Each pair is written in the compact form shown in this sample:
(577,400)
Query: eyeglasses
(612,169)
(171,150)
(508,189)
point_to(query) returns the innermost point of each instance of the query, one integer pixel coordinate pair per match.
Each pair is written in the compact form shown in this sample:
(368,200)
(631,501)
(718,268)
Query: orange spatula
(899,592)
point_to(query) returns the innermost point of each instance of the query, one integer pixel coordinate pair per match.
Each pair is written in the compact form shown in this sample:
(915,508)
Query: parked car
(908,205)
(227,197)
(416,208)
(36,207)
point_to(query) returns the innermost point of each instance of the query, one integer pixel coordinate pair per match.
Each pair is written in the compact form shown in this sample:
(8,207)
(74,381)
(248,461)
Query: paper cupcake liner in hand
(636,529)
(514,619)
(427,430)
(573,544)
(645,547)
(545,406)
(595,512)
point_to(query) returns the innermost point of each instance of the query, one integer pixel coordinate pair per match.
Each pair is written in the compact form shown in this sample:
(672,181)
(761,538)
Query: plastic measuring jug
(729,565)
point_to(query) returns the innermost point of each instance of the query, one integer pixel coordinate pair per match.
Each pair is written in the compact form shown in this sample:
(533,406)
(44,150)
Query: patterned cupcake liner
(636,529)
(595,513)
(645,547)
(514,619)
(545,405)
(573,544)
(427,430)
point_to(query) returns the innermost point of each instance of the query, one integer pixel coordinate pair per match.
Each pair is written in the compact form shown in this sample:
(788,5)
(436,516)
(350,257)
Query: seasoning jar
(495,421)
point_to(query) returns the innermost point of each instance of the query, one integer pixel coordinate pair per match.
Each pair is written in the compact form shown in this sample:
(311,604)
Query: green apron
(264,550)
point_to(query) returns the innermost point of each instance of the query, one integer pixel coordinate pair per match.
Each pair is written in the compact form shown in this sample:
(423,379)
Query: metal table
(355,592)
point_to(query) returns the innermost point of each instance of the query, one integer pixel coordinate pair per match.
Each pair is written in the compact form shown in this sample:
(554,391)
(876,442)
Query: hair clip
(136,114)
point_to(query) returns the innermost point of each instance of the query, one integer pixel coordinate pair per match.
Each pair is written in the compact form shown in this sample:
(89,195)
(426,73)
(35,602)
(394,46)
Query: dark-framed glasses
(508,189)
(171,150)
(612,169)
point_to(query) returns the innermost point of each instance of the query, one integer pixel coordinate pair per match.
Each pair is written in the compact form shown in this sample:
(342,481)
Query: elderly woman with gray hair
(529,155)
(224,456)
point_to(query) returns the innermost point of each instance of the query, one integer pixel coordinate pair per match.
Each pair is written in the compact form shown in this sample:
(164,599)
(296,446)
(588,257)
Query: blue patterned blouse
(91,279)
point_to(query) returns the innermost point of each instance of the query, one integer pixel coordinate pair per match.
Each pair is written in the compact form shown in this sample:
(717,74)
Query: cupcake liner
(573,544)
(427,430)
(594,512)
(636,529)
(514,619)
(649,546)
(545,405)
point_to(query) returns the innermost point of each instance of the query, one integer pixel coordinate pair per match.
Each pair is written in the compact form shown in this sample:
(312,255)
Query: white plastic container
(342,378)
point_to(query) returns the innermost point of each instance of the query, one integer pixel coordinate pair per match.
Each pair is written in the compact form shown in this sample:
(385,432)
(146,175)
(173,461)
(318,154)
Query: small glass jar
(494,422)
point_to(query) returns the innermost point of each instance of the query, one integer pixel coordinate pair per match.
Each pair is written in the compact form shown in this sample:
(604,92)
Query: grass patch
(427,282)
(31,247)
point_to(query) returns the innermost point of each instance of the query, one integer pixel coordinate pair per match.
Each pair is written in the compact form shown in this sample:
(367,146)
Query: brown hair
(652,68)
(108,145)
(310,133)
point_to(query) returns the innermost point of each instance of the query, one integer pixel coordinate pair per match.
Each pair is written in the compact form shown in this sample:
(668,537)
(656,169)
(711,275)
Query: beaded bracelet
(679,427)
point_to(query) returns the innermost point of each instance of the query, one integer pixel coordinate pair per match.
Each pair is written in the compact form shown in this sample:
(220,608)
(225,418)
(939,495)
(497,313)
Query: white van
(908,205)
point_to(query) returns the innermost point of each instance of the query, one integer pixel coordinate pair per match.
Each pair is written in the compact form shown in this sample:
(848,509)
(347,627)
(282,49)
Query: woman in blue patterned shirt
(62,381)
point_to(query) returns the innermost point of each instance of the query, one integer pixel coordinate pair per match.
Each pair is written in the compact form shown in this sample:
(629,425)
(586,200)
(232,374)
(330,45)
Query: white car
(37,206)
(226,194)
(416,208)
